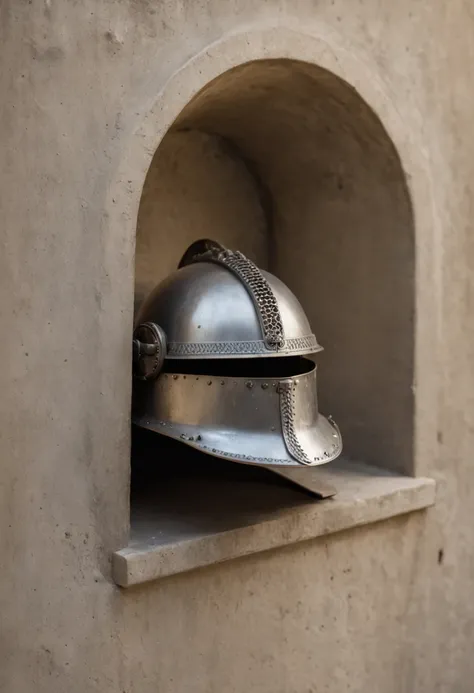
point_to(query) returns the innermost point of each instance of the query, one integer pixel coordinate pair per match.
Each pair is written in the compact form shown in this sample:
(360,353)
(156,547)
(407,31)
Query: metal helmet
(218,362)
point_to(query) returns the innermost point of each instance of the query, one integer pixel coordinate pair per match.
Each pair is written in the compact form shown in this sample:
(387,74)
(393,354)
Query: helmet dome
(206,311)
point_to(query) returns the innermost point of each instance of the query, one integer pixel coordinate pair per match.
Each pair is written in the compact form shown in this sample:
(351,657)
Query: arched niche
(284,160)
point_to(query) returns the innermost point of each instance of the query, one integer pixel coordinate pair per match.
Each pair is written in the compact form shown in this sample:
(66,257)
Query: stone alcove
(285,161)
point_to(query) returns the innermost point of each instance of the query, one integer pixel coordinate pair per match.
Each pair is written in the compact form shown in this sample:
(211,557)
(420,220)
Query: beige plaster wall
(86,96)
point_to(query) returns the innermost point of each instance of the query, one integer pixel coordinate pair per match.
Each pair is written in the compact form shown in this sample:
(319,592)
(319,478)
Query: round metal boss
(149,350)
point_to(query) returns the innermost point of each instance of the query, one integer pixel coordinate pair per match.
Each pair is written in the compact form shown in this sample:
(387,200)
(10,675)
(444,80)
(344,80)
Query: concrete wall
(88,91)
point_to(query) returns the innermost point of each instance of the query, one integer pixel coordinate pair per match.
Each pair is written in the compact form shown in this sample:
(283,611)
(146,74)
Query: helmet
(219,364)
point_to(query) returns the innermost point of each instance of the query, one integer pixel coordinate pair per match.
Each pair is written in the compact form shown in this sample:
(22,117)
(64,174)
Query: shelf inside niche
(189,510)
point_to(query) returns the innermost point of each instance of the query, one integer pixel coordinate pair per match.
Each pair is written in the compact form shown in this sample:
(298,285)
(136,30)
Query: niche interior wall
(285,161)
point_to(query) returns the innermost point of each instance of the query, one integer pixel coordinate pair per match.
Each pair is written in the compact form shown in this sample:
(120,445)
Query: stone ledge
(184,530)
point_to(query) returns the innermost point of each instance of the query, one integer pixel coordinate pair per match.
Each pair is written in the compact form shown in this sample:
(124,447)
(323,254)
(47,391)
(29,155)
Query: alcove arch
(285,161)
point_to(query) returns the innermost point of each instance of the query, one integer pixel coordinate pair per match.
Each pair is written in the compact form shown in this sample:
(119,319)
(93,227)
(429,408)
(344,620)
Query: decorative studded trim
(258,288)
(287,413)
(195,441)
(296,345)
(266,460)
(245,458)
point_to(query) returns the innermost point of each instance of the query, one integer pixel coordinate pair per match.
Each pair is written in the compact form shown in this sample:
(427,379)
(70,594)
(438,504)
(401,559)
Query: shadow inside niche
(179,492)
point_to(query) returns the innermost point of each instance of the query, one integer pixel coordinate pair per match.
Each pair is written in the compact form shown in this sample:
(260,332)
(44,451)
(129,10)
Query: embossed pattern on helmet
(258,288)
(287,411)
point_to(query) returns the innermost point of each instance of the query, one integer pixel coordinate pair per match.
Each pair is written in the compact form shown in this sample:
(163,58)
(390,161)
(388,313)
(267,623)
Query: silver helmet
(206,347)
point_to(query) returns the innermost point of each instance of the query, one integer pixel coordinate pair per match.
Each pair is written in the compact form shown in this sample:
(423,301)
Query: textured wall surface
(87,92)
